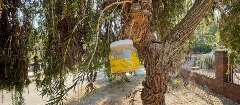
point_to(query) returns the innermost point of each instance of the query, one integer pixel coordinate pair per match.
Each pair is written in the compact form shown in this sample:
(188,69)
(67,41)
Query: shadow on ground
(121,93)
(116,93)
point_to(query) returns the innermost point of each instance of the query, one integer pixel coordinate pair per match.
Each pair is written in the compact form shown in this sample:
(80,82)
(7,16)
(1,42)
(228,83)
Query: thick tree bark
(158,57)
(155,83)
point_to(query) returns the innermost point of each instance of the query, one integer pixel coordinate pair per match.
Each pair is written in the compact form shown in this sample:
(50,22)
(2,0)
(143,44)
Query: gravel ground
(124,93)
(127,93)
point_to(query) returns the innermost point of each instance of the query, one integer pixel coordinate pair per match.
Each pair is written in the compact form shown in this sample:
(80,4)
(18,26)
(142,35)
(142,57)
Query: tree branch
(182,32)
(98,24)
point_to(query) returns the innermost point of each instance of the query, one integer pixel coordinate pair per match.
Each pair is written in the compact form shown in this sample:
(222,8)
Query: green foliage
(69,38)
(14,43)
(230,28)
(228,72)
(176,82)
(205,38)
(167,14)
(201,47)
(63,36)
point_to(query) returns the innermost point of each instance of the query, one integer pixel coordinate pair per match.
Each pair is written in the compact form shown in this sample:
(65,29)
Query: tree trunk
(159,56)
(155,83)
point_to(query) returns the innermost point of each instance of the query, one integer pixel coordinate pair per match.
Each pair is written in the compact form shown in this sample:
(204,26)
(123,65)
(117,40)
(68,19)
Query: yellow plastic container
(123,56)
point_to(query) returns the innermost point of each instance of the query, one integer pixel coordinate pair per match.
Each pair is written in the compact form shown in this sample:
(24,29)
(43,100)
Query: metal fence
(204,64)
(234,74)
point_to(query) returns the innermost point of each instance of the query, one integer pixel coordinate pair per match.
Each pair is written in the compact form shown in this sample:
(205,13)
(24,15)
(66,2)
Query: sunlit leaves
(230,28)
(168,13)
(68,32)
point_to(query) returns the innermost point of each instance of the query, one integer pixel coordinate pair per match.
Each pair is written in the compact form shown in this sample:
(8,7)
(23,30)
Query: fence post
(221,64)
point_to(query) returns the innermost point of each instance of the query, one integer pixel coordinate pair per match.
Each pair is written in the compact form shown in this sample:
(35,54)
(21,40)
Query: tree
(205,38)
(159,55)
(13,46)
(70,24)
(68,31)
(229,28)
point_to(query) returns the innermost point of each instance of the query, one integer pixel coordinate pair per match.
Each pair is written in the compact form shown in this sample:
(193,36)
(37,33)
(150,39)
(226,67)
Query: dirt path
(127,93)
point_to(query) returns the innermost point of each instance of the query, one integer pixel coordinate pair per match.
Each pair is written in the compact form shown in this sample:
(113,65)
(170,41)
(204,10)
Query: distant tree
(201,47)
(205,38)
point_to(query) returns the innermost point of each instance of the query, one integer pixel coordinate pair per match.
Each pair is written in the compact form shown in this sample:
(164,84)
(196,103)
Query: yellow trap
(123,56)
